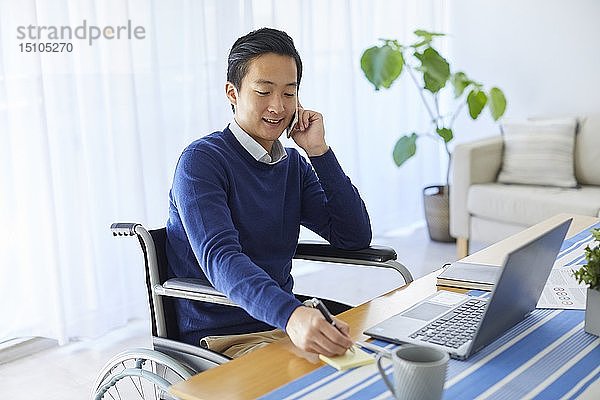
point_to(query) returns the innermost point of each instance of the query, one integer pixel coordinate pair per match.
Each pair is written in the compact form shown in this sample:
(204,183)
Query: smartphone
(288,130)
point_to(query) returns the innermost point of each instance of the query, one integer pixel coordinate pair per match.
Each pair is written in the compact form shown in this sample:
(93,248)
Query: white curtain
(92,136)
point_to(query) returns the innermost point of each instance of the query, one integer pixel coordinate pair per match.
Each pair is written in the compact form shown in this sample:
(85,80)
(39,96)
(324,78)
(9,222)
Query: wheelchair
(148,373)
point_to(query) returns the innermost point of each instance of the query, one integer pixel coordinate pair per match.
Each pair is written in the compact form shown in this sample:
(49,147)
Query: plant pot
(592,312)
(437,213)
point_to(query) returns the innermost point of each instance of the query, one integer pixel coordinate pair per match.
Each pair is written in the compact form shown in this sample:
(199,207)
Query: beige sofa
(486,211)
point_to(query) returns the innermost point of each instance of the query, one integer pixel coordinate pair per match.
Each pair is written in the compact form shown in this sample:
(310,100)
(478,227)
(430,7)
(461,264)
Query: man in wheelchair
(238,200)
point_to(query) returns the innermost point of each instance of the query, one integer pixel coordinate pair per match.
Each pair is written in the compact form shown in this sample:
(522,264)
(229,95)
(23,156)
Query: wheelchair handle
(124,228)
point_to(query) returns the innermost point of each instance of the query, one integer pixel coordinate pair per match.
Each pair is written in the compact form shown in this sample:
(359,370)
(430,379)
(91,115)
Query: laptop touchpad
(425,311)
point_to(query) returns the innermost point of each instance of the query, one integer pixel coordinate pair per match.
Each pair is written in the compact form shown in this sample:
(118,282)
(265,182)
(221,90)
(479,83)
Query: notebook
(469,276)
(460,324)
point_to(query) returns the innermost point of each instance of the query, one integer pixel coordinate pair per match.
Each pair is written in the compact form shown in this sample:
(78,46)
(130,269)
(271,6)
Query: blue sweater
(235,222)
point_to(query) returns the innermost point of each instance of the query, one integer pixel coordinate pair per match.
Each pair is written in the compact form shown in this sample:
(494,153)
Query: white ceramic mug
(419,372)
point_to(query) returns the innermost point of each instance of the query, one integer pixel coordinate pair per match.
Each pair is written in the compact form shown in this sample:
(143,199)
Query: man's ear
(231,93)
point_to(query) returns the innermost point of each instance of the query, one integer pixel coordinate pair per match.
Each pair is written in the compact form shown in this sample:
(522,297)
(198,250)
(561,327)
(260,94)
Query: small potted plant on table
(590,275)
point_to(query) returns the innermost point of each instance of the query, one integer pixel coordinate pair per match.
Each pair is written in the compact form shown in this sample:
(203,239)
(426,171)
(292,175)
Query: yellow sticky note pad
(349,360)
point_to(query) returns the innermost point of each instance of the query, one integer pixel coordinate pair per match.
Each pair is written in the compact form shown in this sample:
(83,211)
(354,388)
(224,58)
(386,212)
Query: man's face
(266,101)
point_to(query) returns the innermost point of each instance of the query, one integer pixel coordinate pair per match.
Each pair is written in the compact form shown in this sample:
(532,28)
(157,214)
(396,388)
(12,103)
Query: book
(349,360)
(469,276)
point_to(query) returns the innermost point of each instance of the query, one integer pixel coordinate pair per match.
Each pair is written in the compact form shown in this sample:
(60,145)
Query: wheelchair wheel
(139,374)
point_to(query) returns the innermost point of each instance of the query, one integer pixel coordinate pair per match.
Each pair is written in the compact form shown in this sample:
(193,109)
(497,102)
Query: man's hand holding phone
(308,132)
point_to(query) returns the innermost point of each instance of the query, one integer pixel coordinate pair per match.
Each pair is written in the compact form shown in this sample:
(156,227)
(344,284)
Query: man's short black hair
(255,44)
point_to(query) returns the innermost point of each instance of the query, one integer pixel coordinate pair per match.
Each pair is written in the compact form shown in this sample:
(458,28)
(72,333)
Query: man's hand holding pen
(310,330)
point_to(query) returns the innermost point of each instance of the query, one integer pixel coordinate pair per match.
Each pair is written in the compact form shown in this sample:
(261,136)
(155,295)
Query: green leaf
(476,101)
(405,148)
(435,68)
(426,38)
(392,43)
(382,65)
(460,81)
(590,272)
(445,134)
(427,34)
(497,103)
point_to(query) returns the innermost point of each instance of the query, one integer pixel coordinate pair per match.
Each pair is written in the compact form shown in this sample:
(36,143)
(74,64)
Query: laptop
(461,325)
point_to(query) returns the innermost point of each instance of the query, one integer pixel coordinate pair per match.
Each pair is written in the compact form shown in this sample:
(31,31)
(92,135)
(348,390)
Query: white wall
(544,55)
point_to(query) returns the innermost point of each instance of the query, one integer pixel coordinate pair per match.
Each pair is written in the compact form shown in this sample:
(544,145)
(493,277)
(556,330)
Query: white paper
(562,290)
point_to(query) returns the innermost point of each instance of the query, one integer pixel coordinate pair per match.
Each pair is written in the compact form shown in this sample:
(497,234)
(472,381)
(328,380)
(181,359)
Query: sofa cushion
(528,205)
(587,150)
(539,152)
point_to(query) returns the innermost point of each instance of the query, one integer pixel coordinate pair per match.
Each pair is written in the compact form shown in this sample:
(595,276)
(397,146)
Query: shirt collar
(259,153)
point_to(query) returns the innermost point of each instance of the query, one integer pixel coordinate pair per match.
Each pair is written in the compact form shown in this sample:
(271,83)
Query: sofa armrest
(473,162)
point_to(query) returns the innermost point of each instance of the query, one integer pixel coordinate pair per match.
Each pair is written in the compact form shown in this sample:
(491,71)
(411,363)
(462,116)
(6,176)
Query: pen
(318,304)
(373,347)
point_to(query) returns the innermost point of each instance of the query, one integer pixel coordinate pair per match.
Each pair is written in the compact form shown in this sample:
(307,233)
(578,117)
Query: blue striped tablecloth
(545,356)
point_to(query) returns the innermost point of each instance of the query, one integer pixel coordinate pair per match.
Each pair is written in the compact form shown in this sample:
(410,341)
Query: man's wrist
(317,151)
(293,316)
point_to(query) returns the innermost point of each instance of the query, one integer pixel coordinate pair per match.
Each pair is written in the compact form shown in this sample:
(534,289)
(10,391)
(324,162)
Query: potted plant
(430,72)
(590,275)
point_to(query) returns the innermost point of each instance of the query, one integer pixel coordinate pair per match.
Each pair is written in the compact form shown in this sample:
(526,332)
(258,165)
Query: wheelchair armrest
(372,253)
(192,289)
(123,228)
(375,256)
(192,285)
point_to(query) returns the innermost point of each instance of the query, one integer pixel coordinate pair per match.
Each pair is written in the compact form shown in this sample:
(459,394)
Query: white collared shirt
(255,149)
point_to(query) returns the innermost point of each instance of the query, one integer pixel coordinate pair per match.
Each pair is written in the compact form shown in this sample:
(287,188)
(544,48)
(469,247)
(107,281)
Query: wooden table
(266,369)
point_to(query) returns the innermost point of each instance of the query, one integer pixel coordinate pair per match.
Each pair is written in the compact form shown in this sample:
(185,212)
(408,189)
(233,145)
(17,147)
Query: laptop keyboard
(456,327)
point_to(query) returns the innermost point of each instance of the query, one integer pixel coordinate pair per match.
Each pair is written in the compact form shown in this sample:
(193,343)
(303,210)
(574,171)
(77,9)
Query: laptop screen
(520,285)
